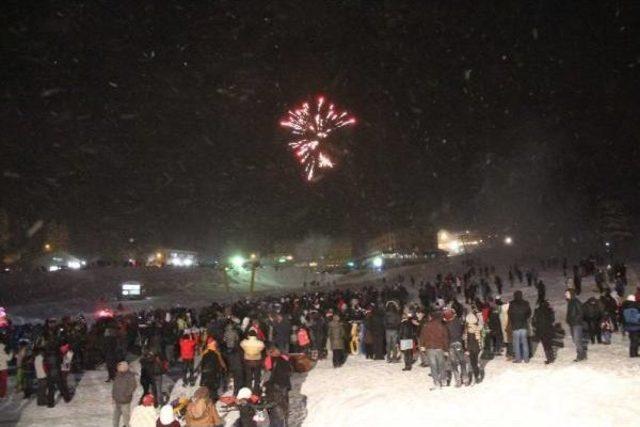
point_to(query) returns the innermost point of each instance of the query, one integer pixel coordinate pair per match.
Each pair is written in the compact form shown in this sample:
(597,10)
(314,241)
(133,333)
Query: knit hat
(201,393)
(448,314)
(631,297)
(148,400)
(166,415)
(123,366)
(244,393)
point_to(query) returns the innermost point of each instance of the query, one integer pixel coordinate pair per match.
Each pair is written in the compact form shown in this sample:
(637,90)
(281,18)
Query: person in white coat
(144,415)
(504,325)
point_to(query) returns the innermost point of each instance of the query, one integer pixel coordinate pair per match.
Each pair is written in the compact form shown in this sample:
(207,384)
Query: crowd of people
(231,347)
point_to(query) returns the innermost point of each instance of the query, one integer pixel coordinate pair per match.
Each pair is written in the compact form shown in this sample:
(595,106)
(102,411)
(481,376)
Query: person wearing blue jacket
(631,320)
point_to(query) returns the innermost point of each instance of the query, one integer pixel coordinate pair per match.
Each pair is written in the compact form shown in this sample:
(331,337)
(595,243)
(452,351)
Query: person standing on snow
(631,320)
(5,356)
(473,343)
(233,355)
(67,360)
(337,340)
(407,335)
(213,368)
(391,324)
(252,348)
(187,354)
(543,319)
(575,320)
(593,311)
(124,385)
(456,347)
(434,338)
(519,314)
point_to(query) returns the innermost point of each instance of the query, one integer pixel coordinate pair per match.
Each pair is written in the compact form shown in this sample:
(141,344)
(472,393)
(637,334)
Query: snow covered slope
(603,391)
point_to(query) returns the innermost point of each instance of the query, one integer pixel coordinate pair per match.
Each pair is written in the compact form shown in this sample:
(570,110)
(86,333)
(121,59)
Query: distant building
(58,260)
(339,254)
(459,242)
(172,257)
(404,241)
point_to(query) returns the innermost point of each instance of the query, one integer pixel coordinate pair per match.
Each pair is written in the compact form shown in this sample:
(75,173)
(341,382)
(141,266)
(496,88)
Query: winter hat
(448,314)
(148,400)
(631,298)
(166,415)
(244,393)
(201,393)
(123,366)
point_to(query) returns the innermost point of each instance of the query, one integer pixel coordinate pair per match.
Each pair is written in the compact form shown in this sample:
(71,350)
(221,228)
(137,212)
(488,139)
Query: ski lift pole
(254,267)
(225,277)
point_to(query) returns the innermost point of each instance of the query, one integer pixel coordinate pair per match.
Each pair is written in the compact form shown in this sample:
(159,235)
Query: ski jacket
(519,313)
(252,348)
(631,316)
(434,335)
(575,314)
(123,387)
(187,348)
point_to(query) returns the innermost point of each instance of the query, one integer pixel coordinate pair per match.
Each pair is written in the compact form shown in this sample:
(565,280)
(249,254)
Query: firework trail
(311,128)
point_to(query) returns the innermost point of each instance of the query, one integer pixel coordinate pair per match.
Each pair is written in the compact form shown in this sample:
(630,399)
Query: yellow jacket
(252,348)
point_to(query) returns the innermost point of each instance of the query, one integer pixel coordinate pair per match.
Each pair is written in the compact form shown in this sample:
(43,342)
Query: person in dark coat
(377,334)
(407,331)
(519,314)
(495,329)
(278,387)
(543,320)
(456,360)
(318,330)
(391,324)
(233,355)
(213,369)
(593,312)
(54,378)
(282,332)
(610,307)
(575,320)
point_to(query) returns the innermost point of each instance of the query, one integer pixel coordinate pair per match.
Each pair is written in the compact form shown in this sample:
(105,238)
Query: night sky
(159,120)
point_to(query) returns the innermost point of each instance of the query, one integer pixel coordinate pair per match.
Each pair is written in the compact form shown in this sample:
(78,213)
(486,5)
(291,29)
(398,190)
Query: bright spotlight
(237,261)
(74,265)
(378,261)
(508,240)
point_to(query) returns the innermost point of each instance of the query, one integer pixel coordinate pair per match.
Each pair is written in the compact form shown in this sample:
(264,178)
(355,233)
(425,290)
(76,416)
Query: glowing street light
(508,240)
(237,261)
(47,247)
(378,261)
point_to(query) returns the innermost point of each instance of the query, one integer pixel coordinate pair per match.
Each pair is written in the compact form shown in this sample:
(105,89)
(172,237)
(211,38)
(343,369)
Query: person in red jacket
(187,354)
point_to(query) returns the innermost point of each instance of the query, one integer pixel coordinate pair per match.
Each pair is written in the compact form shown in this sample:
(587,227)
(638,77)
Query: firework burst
(311,127)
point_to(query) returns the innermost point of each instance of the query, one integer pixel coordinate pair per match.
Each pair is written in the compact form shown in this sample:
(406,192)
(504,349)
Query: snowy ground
(603,391)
